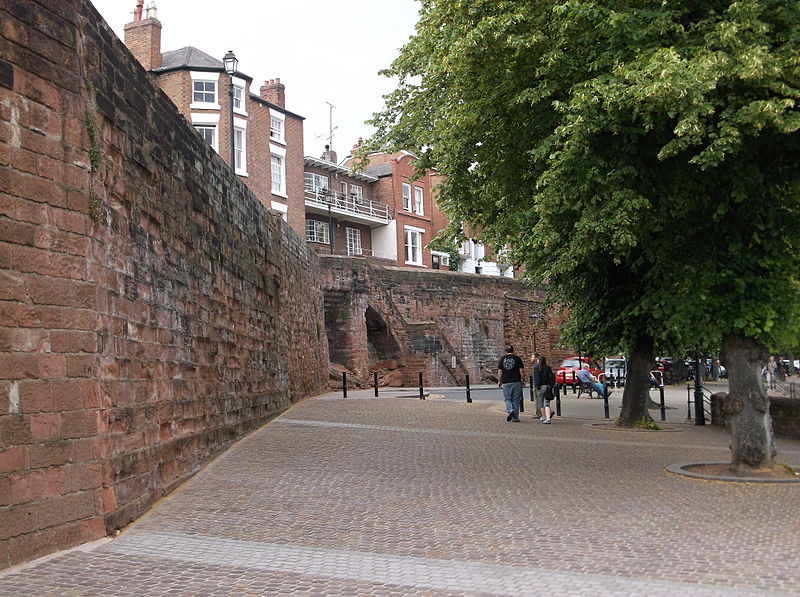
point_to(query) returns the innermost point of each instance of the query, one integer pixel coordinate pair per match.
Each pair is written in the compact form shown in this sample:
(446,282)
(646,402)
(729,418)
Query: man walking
(535,381)
(510,378)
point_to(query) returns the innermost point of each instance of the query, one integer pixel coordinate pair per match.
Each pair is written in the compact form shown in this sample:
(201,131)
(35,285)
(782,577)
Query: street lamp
(231,64)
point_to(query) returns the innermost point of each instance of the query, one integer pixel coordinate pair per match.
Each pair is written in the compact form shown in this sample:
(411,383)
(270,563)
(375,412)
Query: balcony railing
(348,204)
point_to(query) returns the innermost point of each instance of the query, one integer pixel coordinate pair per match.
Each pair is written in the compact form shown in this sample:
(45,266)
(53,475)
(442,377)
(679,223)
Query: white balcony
(347,207)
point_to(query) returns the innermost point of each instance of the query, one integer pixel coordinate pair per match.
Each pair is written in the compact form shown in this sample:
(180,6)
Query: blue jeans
(512,394)
(600,389)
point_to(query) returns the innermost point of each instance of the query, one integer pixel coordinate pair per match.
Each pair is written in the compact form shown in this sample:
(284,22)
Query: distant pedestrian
(535,381)
(547,380)
(772,367)
(715,370)
(510,379)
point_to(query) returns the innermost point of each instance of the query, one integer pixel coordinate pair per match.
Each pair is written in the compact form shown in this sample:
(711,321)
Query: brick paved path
(397,496)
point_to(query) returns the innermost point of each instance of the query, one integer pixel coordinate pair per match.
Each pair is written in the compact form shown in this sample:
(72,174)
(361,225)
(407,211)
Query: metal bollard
(375,381)
(421,393)
(530,378)
(688,403)
(699,415)
(522,404)
(344,384)
(558,399)
(605,402)
(469,398)
(574,386)
(663,406)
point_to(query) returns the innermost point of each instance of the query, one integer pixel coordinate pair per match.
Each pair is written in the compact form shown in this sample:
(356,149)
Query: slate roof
(189,57)
(380,169)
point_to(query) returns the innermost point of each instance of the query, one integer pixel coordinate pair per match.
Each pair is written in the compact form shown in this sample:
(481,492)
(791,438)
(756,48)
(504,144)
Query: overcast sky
(322,50)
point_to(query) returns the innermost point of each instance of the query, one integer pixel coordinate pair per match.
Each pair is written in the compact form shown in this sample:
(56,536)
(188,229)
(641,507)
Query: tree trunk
(747,405)
(637,383)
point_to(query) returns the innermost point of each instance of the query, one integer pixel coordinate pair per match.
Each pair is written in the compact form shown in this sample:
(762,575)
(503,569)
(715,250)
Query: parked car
(564,373)
(615,366)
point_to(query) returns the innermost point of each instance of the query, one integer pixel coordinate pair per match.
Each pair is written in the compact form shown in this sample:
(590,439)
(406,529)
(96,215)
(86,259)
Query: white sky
(322,51)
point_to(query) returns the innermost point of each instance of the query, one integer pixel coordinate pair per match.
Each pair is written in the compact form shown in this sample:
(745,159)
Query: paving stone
(396,496)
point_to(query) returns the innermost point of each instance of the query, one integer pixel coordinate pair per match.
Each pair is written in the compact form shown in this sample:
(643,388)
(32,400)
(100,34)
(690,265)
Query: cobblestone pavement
(398,496)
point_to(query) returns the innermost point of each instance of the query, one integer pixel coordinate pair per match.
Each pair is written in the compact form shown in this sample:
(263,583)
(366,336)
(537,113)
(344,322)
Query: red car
(564,374)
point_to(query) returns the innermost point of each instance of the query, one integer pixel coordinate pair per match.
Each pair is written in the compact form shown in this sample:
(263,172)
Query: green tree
(639,157)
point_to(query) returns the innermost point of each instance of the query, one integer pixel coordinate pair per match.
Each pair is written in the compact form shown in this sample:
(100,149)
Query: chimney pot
(143,37)
(274,91)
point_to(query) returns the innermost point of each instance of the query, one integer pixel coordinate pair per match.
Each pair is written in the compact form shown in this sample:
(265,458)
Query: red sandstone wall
(433,316)
(147,300)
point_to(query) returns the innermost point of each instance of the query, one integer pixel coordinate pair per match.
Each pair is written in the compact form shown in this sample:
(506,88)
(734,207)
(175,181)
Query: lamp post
(231,64)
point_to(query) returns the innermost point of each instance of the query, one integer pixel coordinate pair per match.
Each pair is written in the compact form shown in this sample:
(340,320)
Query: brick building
(417,218)
(342,216)
(267,148)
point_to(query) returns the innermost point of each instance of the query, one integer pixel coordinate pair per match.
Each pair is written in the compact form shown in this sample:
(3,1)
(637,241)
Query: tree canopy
(641,157)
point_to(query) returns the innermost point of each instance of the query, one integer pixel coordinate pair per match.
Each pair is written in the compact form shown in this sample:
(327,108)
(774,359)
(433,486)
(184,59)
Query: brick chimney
(274,91)
(329,155)
(143,36)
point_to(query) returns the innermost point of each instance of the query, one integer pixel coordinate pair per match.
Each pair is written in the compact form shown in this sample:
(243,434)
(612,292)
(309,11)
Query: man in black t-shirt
(510,378)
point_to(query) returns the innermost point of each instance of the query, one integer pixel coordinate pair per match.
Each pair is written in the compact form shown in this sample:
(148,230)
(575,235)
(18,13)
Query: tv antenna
(331,128)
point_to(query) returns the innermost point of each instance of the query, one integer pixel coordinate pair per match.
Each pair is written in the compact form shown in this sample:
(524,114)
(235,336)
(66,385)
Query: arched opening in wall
(381,344)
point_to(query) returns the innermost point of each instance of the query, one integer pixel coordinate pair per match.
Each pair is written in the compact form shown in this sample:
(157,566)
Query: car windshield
(570,364)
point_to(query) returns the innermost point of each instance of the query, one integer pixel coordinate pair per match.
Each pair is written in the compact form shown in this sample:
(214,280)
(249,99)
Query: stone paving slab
(392,496)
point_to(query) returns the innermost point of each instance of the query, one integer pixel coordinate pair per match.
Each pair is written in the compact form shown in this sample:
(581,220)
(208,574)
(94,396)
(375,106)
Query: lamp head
(230,62)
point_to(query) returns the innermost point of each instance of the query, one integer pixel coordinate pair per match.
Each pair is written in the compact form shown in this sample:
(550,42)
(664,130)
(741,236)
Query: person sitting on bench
(586,377)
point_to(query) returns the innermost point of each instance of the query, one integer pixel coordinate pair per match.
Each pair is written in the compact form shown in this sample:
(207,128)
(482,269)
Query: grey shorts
(544,392)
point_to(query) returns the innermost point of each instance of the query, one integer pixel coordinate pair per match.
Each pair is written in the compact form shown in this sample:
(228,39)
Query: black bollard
(469,398)
(375,381)
(344,384)
(688,403)
(421,393)
(530,377)
(699,415)
(605,402)
(663,406)
(558,399)
(574,385)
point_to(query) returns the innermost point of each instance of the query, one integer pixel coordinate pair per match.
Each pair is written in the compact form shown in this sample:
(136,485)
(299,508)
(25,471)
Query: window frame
(281,189)
(406,196)
(410,233)
(317,229)
(205,77)
(315,188)
(202,128)
(356,239)
(207,120)
(419,198)
(240,153)
(241,86)
(277,135)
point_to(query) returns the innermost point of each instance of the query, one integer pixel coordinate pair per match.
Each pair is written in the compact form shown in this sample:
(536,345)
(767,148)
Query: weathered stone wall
(430,317)
(149,311)
(785,413)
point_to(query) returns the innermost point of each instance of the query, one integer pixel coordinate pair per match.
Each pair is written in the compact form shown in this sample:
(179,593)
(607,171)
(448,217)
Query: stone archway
(381,344)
